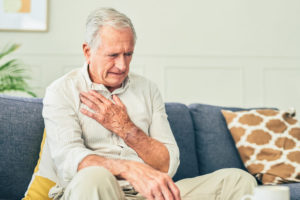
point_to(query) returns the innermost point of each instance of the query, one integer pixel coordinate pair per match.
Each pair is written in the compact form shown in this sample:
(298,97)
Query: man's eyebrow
(117,53)
(112,54)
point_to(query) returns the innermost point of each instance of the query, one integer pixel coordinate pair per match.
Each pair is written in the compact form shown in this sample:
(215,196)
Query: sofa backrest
(182,127)
(21,130)
(215,146)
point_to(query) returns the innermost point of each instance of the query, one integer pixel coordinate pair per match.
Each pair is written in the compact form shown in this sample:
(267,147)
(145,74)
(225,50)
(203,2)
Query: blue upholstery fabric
(294,190)
(215,146)
(182,127)
(204,146)
(21,130)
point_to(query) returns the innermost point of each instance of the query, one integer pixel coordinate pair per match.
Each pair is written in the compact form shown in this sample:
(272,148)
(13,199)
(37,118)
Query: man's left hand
(112,116)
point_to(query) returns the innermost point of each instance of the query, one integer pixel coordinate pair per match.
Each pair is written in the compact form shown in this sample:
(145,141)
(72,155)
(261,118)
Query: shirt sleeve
(64,133)
(161,131)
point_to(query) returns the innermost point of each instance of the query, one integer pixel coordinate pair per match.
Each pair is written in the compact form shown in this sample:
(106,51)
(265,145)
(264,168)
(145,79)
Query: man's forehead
(114,39)
(110,31)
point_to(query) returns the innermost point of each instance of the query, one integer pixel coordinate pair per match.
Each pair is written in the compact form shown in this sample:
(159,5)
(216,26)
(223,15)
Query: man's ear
(86,52)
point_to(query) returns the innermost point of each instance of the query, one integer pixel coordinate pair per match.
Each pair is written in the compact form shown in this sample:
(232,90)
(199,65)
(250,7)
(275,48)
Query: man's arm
(115,118)
(149,182)
(70,153)
(64,134)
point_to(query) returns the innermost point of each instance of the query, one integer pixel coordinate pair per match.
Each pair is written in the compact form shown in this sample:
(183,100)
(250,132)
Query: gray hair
(101,17)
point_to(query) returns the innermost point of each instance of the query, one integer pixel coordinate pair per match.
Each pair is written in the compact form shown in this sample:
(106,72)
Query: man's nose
(121,63)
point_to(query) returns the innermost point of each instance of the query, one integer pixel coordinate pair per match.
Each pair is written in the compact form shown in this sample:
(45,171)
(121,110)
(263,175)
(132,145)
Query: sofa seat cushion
(215,146)
(182,127)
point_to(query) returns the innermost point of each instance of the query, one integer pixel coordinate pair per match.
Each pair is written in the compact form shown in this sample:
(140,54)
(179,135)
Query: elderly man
(108,132)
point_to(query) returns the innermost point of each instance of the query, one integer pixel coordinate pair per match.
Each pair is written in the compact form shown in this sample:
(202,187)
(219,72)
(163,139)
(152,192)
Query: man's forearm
(114,117)
(146,180)
(153,152)
(116,167)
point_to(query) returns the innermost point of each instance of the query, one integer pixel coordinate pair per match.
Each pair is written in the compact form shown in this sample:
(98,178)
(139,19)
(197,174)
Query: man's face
(109,64)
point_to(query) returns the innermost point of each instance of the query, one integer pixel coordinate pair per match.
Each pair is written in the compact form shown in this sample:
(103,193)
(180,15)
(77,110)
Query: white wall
(233,53)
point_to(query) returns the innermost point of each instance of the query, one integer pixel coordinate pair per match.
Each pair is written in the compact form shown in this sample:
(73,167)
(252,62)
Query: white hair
(101,17)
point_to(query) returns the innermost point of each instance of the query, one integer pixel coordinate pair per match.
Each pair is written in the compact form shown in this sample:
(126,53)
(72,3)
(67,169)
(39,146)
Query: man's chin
(115,80)
(114,84)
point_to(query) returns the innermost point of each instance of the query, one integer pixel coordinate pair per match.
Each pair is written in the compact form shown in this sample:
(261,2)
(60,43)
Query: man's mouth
(116,73)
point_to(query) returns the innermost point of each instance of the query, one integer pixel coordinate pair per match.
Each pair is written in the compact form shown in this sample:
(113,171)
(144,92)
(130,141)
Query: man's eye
(113,55)
(128,54)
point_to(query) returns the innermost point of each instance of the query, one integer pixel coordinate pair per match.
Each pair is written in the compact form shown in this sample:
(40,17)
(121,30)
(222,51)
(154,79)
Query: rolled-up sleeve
(161,131)
(64,133)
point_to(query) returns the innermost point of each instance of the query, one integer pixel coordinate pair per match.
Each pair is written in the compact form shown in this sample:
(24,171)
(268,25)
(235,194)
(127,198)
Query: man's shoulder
(69,79)
(139,83)
(140,80)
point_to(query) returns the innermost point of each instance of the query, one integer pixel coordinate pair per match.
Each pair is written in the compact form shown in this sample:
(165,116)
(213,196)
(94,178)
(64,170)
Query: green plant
(12,73)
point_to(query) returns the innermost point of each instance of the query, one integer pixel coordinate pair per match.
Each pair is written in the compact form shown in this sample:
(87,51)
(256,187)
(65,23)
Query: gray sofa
(200,131)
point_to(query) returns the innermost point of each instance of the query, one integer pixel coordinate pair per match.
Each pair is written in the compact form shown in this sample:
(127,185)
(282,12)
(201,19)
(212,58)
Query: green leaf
(13,74)
(8,49)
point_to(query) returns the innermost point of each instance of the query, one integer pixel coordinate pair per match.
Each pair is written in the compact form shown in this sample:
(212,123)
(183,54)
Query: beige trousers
(97,183)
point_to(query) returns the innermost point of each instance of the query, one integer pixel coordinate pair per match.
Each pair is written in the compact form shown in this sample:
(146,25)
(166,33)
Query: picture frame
(24,15)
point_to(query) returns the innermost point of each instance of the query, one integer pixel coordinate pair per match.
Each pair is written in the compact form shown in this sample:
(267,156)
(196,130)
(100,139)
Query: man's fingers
(175,191)
(118,101)
(88,113)
(100,97)
(158,194)
(91,98)
(89,103)
(167,193)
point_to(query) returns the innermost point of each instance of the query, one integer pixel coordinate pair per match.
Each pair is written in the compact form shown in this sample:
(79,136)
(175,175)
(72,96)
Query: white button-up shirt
(71,135)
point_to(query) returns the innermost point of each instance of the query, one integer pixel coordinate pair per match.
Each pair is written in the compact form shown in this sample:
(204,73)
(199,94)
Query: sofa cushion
(268,142)
(215,146)
(182,127)
(44,176)
(21,133)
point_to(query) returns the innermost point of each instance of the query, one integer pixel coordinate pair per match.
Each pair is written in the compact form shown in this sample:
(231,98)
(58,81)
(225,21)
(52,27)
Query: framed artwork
(23,15)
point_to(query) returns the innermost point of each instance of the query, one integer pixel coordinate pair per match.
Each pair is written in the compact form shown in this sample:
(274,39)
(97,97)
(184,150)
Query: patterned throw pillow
(44,176)
(268,142)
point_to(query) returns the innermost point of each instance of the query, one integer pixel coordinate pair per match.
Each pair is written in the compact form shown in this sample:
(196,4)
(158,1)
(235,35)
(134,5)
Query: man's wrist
(129,131)
(118,168)
(132,135)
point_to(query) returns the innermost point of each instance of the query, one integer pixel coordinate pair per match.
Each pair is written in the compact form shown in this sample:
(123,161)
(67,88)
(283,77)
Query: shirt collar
(101,87)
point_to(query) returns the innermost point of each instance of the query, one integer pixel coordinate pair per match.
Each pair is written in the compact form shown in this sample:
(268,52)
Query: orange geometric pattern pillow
(268,142)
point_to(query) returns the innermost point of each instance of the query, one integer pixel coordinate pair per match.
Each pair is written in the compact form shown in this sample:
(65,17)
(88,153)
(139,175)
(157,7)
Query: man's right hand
(149,182)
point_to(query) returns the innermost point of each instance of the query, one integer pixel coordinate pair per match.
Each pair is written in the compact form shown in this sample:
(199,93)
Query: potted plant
(12,73)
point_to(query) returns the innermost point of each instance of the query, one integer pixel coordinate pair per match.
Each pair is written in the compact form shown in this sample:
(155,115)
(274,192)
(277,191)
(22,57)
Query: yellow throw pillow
(268,142)
(44,176)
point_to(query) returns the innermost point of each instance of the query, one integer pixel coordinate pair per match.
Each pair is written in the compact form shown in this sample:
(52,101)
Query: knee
(238,175)
(93,183)
(92,176)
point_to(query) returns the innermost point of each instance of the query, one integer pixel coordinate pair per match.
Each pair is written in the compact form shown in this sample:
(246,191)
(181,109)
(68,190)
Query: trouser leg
(224,184)
(95,183)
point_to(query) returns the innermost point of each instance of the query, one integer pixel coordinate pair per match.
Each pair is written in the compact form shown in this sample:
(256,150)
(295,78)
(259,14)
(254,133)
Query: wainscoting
(246,81)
